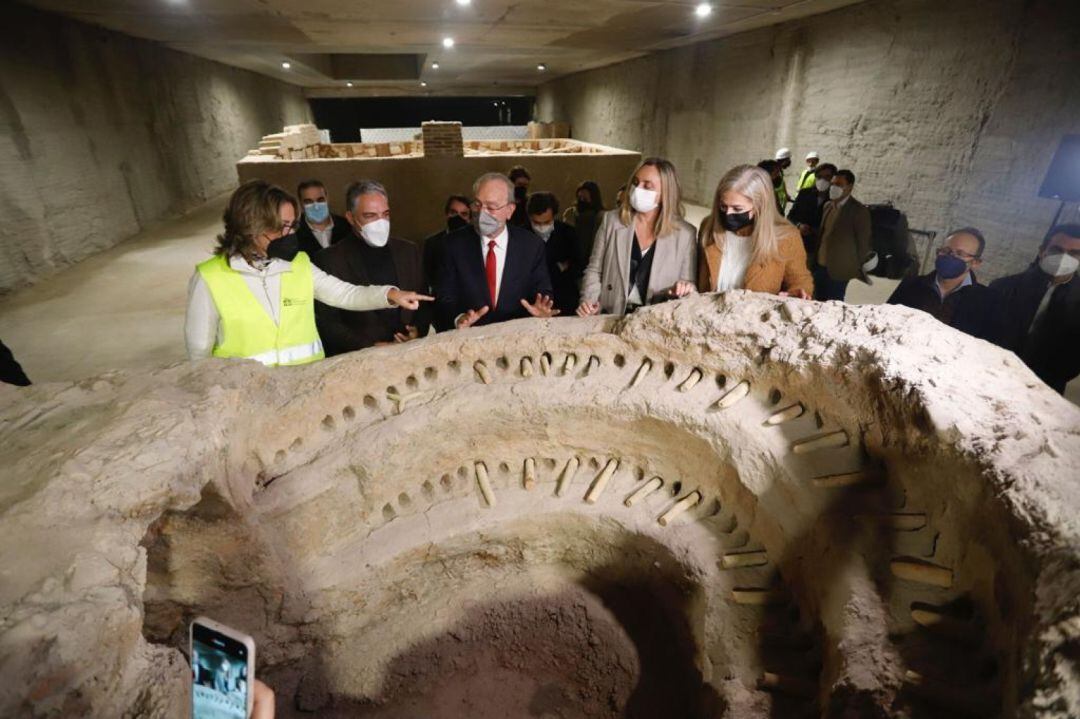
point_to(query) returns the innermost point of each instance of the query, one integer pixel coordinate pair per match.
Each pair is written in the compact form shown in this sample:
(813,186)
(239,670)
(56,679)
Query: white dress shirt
(501,241)
(322,236)
(734,262)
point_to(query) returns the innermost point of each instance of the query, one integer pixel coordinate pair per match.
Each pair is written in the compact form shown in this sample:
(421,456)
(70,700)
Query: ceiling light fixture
(286,65)
(348,84)
(703,9)
(541,67)
(435,65)
(423,84)
(448,42)
(464,2)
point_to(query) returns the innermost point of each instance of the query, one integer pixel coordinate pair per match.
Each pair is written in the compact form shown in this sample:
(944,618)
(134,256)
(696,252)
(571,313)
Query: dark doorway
(345,116)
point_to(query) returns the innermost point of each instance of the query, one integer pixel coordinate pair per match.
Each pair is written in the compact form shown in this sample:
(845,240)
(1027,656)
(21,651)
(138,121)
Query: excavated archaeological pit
(730,506)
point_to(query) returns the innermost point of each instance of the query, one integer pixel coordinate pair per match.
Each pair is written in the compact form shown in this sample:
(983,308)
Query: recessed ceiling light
(463,2)
(541,67)
(448,42)
(703,9)
(286,65)
(423,84)
(435,66)
(348,84)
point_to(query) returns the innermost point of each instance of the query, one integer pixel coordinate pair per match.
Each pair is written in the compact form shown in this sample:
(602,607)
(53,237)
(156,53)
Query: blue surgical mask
(317,212)
(949,267)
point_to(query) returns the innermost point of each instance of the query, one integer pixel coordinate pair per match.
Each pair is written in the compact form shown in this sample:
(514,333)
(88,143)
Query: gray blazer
(607,278)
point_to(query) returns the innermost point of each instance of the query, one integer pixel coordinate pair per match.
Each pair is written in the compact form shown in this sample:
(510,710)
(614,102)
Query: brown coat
(786,274)
(848,240)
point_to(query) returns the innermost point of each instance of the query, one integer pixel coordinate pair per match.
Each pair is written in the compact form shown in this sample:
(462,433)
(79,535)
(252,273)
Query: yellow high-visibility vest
(250,333)
(807,179)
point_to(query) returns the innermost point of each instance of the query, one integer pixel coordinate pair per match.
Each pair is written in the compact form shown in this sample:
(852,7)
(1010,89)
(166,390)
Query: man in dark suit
(565,263)
(493,271)
(1039,316)
(369,256)
(320,228)
(845,244)
(810,204)
(457,215)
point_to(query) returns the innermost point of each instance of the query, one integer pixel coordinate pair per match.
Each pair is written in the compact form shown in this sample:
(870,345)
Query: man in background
(951,293)
(565,263)
(806,179)
(845,244)
(1040,309)
(319,228)
(456,211)
(809,206)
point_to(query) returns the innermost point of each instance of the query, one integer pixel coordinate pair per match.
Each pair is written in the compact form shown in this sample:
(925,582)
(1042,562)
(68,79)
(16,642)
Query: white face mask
(1059,264)
(376,233)
(544,230)
(644,200)
(822,185)
(836,192)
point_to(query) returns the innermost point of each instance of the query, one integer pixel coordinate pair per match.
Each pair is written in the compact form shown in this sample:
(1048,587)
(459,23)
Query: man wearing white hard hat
(807,178)
(783,159)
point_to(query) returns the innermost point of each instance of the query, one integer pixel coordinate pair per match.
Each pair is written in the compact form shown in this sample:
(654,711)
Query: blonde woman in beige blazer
(644,250)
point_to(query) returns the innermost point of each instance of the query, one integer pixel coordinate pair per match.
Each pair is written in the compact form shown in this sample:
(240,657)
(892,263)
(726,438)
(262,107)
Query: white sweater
(202,327)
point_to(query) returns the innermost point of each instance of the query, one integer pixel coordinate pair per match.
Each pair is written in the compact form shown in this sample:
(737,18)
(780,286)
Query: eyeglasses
(287,227)
(477,205)
(958,254)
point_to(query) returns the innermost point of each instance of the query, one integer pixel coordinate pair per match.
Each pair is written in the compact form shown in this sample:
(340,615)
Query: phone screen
(220,684)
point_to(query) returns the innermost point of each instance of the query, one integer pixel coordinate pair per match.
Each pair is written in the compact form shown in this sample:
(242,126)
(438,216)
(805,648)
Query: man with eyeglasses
(492,271)
(1040,309)
(950,293)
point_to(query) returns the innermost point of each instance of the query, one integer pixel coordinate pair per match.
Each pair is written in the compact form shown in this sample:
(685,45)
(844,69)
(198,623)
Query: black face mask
(284,248)
(455,223)
(519,193)
(584,205)
(777,181)
(735,221)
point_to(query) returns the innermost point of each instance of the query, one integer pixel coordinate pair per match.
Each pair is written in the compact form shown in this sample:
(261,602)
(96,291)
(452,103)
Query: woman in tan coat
(745,244)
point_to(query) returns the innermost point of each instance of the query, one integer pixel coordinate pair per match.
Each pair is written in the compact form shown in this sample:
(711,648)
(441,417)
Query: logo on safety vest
(293,301)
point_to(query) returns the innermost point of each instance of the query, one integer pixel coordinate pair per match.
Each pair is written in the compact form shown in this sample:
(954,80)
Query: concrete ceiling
(497,43)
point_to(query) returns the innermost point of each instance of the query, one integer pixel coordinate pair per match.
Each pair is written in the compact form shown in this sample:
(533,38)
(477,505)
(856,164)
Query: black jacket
(10,370)
(564,247)
(310,245)
(345,331)
(970,309)
(1050,348)
(807,210)
(432,263)
(462,284)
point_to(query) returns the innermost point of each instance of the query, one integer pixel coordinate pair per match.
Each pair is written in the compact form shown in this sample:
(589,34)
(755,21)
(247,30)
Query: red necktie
(491,272)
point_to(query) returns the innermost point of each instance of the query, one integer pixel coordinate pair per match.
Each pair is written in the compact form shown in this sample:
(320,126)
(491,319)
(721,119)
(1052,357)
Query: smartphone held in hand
(222,671)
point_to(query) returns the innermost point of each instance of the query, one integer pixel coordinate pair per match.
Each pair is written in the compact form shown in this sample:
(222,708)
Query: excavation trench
(729,508)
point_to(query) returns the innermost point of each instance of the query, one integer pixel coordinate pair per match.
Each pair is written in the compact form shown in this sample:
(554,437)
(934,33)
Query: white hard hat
(812,155)
(783,154)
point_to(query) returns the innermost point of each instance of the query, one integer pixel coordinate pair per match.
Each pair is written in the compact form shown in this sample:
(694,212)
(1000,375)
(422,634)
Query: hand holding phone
(222,672)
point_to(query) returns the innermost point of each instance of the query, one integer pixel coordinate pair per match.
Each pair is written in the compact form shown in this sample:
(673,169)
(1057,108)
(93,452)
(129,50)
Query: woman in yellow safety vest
(255,298)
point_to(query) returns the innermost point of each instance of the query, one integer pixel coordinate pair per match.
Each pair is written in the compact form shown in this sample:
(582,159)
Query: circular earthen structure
(729,506)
